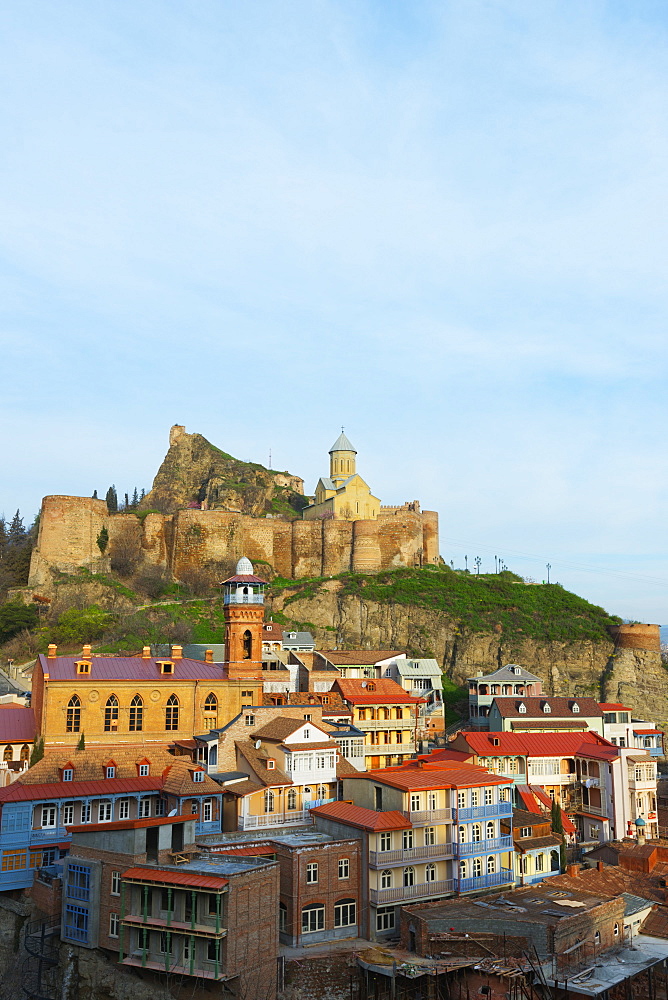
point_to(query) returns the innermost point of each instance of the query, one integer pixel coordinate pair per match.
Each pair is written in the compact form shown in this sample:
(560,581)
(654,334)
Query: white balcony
(372,725)
(385,859)
(294,817)
(425,890)
(417,816)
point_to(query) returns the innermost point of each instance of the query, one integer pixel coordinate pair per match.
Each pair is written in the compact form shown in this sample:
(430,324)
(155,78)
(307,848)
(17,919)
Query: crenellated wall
(70,528)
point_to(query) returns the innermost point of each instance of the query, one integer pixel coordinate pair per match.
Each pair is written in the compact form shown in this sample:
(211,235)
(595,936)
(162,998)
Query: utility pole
(466,563)
(477,561)
(549,567)
(496,564)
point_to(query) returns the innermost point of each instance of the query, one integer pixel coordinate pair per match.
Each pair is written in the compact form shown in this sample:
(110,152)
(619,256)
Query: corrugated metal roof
(542,796)
(359,657)
(410,777)
(361,818)
(18,792)
(505,673)
(17,725)
(531,744)
(175,878)
(342,444)
(613,706)
(61,668)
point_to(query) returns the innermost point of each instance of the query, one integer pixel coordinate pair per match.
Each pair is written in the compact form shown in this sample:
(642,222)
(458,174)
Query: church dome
(640,821)
(342,444)
(245,567)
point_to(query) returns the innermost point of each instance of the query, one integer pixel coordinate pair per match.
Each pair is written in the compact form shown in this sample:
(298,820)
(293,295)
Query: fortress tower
(243,597)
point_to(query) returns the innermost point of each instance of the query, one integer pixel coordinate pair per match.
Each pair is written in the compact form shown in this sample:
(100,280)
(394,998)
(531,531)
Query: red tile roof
(17,725)
(530,744)
(361,818)
(610,706)
(385,691)
(161,875)
(529,794)
(648,732)
(61,668)
(411,777)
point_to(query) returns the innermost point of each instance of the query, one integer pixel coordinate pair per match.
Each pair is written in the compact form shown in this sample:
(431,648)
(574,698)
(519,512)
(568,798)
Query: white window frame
(114,925)
(312,873)
(105,811)
(49,817)
(344,868)
(115,884)
(124,808)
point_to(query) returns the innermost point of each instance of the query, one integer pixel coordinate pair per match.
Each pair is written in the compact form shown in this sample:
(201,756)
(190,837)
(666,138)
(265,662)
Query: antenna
(270,458)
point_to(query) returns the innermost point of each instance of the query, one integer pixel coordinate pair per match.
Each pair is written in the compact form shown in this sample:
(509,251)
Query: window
(313,918)
(491,864)
(576,707)
(463,869)
(104,811)
(311,872)
(415,801)
(292,799)
(385,918)
(344,867)
(489,830)
(115,883)
(476,833)
(165,666)
(386,879)
(525,831)
(13,860)
(111,714)
(48,817)
(25,752)
(160,807)
(345,913)
(199,775)
(378,798)
(307,733)
(85,812)
(461,799)
(432,800)
(525,864)
(136,714)
(207,811)
(386,842)
(616,930)
(212,951)
(114,924)
(282,917)
(73,715)
(462,834)
(539,862)
(68,814)
(597,938)
(269,801)
(144,807)
(165,943)
(429,836)
(430,873)
(271,766)
(124,809)
(144,770)
(110,771)
(76,923)
(308,718)
(477,867)
(68,774)
(211,703)
(594,832)
(409,876)
(78,882)
(42,859)
(249,720)
(83,666)
(474,797)
(172,713)
(407,840)
(555,864)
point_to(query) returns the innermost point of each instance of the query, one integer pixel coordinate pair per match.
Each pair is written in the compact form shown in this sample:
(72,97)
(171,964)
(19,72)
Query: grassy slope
(477,603)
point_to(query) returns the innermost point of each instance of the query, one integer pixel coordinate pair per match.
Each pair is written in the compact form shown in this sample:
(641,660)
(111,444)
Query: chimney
(599,866)
(52,651)
(177,652)
(146,653)
(573,870)
(208,656)
(85,652)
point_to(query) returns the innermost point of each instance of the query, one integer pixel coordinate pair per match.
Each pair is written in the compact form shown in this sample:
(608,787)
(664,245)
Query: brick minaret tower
(243,595)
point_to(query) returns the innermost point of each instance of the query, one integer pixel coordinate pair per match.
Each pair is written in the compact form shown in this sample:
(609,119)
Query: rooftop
(361,818)
(564,707)
(530,744)
(509,672)
(359,657)
(113,668)
(359,691)
(419,775)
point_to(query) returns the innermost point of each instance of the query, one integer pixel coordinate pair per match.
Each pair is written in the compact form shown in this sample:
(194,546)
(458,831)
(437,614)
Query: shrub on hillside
(82,626)
(15,616)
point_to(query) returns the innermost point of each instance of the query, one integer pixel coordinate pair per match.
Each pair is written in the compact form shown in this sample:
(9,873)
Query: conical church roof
(342,444)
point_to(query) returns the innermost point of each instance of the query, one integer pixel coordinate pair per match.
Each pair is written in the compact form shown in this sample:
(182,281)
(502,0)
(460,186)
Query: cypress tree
(37,751)
(81,745)
(95,495)
(127,502)
(16,532)
(112,500)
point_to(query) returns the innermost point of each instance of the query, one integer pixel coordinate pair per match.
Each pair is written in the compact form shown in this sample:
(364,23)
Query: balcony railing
(49,833)
(369,725)
(481,812)
(424,890)
(486,881)
(429,815)
(243,599)
(594,810)
(383,859)
(484,846)
(292,818)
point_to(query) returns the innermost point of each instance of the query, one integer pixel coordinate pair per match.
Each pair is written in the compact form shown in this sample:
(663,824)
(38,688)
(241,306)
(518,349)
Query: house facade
(509,680)
(386,714)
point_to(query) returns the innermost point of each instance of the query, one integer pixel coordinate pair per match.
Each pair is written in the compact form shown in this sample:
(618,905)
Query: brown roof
(554,724)
(282,727)
(532,843)
(361,818)
(88,763)
(179,780)
(344,768)
(330,745)
(243,787)
(355,657)
(257,760)
(522,817)
(612,881)
(360,691)
(509,707)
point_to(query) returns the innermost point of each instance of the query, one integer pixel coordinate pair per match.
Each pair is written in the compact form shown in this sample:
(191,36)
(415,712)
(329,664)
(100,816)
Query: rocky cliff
(194,470)
(568,665)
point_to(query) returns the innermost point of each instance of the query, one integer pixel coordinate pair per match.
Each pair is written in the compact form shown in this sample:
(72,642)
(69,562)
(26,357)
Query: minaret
(341,459)
(243,596)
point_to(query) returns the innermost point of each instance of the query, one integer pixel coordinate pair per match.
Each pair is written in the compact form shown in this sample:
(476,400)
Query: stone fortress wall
(70,527)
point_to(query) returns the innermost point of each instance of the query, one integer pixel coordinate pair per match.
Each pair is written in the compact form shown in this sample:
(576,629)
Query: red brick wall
(251,918)
(47,898)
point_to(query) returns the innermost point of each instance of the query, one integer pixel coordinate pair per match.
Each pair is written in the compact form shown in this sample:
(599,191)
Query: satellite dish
(172,813)
(258,744)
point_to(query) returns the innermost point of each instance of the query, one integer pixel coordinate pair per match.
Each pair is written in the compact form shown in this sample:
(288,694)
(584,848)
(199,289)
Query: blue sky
(442,225)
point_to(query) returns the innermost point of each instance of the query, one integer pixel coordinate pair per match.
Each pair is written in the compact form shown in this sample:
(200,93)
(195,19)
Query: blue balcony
(484,812)
(484,846)
(486,881)
(47,835)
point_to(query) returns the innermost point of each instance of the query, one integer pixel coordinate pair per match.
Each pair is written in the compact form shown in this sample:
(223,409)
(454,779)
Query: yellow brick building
(343,494)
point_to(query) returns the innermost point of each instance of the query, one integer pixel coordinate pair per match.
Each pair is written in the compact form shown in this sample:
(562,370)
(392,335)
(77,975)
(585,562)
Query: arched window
(463,868)
(616,930)
(430,873)
(491,864)
(25,752)
(477,867)
(292,799)
(322,791)
(386,879)
(554,861)
(73,718)
(211,704)
(269,801)
(345,913)
(172,713)
(462,835)
(489,830)
(409,876)
(213,754)
(136,714)
(111,714)
(496,689)
(247,644)
(313,918)
(476,833)
(8,754)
